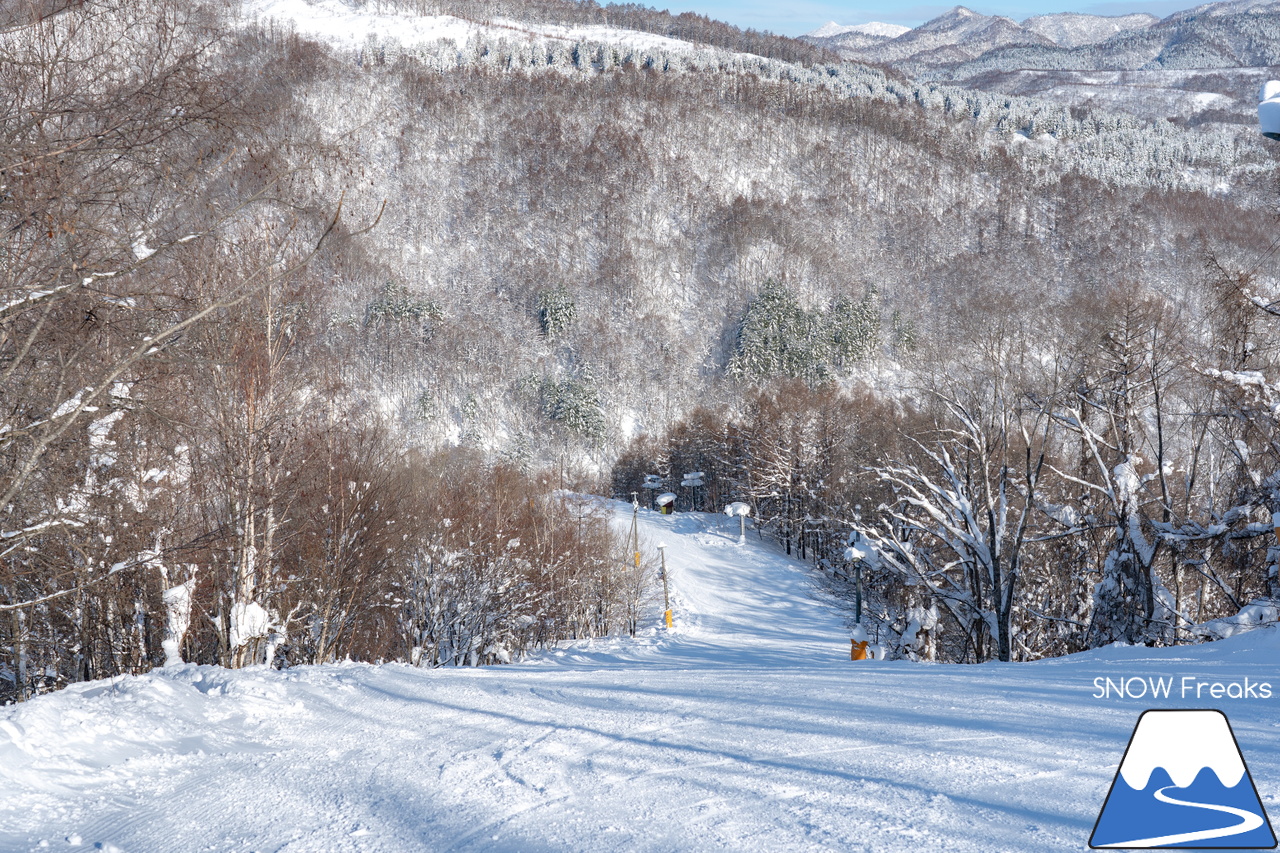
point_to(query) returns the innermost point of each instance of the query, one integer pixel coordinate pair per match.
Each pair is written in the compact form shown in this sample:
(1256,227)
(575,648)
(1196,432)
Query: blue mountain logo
(1183,783)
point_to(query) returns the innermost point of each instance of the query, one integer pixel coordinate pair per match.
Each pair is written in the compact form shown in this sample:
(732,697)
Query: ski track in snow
(746,728)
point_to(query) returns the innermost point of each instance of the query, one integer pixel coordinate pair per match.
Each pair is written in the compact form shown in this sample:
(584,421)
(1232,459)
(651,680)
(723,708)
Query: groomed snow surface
(746,728)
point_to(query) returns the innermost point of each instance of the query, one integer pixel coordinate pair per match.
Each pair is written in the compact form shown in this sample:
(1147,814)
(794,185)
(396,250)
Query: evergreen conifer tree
(855,328)
(777,337)
(556,310)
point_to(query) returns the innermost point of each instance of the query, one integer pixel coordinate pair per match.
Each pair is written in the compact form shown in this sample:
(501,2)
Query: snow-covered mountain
(1073,29)
(856,36)
(1198,65)
(1225,7)
(1201,65)
(1222,35)
(874,28)
(573,227)
(954,36)
(960,32)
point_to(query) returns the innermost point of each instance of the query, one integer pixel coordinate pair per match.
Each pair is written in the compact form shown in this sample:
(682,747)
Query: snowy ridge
(1066,29)
(874,28)
(961,32)
(1072,29)
(964,45)
(342,25)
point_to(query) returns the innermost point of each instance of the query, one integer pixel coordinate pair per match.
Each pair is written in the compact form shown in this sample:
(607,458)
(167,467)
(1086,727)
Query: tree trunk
(20,653)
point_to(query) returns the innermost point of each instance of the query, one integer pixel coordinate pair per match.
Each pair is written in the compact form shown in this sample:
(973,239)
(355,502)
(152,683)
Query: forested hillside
(300,339)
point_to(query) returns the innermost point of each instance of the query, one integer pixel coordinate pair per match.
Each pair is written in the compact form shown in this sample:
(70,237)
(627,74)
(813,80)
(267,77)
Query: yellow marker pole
(666,593)
(635,527)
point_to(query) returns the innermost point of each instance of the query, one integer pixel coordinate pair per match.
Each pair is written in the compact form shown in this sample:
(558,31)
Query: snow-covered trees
(855,328)
(517,176)
(777,337)
(556,310)
(574,402)
(1061,482)
(1120,424)
(190,468)
(582,243)
(500,565)
(961,518)
(792,452)
(116,174)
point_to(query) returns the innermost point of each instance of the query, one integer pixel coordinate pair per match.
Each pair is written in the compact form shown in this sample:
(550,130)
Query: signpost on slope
(652,482)
(691,482)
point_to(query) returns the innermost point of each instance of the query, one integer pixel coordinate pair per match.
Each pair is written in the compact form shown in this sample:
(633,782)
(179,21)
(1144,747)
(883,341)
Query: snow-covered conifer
(855,328)
(556,310)
(778,337)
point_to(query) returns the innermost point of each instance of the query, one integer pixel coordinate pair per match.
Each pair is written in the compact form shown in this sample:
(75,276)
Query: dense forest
(305,352)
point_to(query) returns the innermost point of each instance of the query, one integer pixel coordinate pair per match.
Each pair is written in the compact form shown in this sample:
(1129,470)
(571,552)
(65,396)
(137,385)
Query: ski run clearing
(746,728)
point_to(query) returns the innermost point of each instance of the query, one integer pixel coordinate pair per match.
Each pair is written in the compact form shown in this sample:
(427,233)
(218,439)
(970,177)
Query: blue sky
(796,17)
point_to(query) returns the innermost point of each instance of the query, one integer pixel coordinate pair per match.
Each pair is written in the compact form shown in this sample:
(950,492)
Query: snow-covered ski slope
(348,25)
(734,605)
(747,728)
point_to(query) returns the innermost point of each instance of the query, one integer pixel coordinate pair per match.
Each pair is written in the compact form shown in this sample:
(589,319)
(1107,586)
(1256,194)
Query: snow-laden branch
(146,558)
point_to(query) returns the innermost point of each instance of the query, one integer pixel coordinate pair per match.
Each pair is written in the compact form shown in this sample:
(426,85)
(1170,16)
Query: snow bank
(1252,616)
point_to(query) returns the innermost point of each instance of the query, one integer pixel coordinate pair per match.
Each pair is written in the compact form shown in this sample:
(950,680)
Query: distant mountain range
(858,36)
(1200,65)
(963,44)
